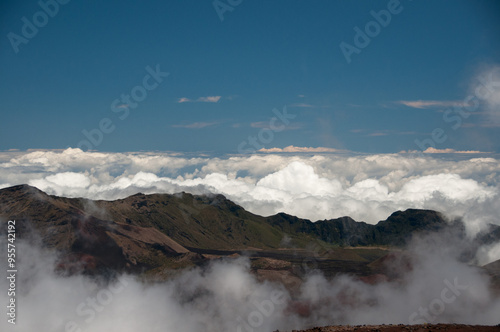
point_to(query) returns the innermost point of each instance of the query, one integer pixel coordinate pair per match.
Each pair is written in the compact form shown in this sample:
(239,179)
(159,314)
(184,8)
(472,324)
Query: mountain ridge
(197,209)
(144,232)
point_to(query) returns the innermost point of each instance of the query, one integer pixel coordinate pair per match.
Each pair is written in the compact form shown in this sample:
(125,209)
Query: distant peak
(21,187)
(22,190)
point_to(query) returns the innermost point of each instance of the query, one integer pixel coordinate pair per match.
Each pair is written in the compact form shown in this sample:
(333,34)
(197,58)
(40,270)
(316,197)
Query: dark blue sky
(232,73)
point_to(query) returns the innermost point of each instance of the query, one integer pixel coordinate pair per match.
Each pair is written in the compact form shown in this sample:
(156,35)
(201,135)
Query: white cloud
(430,103)
(299,179)
(322,186)
(295,149)
(207,99)
(448,150)
(486,87)
(65,183)
(450,186)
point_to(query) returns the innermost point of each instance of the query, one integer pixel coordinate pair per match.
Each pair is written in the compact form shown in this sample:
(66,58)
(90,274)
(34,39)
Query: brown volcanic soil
(401,327)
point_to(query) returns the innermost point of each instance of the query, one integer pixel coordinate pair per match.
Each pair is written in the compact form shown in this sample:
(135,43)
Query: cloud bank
(319,186)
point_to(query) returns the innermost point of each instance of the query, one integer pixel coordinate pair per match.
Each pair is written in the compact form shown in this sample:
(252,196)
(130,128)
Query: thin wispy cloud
(196,125)
(184,100)
(384,132)
(295,149)
(260,124)
(486,87)
(421,104)
(432,150)
(267,124)
(302,105)
(207,99)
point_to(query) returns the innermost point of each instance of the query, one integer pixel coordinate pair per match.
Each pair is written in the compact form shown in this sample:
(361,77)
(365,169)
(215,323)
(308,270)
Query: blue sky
(225,77)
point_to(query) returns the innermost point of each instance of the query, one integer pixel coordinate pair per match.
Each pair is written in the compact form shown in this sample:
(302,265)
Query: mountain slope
(88,242)
(209,222)
(142,232)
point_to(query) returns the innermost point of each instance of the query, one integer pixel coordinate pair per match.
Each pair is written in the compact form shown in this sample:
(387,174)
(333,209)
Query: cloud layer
(322,186)
(225,296)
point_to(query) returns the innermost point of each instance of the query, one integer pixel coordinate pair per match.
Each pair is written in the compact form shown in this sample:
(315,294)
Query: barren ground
(401,327)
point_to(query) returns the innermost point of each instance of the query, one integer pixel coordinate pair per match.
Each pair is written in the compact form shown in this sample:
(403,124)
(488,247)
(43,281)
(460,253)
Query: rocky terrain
(400,327)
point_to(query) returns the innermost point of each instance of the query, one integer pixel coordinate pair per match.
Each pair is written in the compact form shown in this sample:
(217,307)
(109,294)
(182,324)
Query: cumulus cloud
(319,186)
